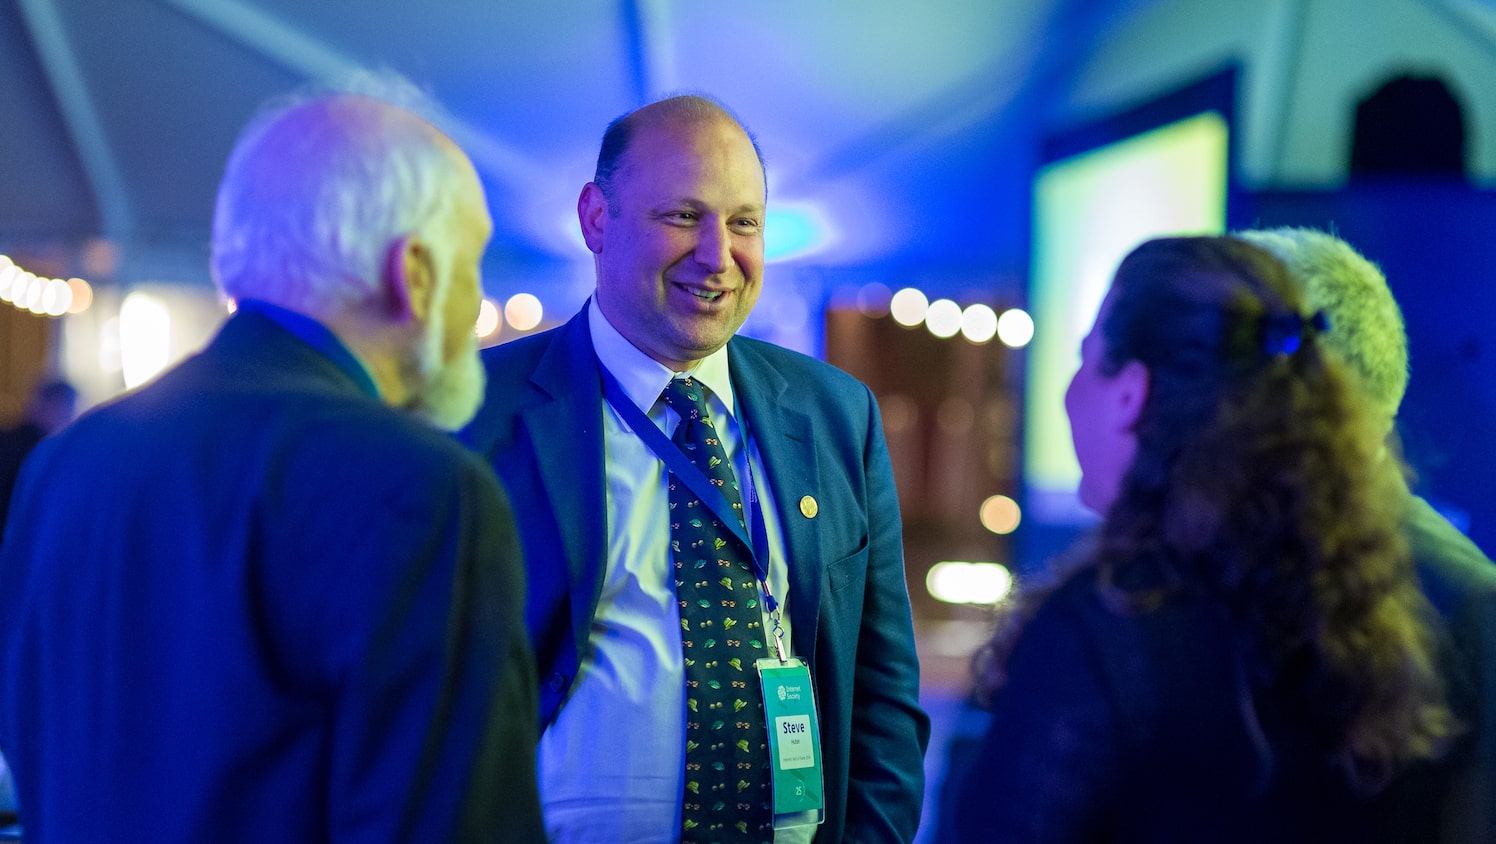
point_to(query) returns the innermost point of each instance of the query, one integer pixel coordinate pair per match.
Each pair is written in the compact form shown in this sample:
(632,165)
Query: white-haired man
(1457,797)
(264,598)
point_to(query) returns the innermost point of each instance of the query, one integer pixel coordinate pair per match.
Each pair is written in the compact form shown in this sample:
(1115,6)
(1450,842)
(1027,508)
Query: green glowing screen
(1090,210)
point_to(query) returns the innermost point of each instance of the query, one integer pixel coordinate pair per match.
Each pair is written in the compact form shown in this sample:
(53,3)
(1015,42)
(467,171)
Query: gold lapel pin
(808,507)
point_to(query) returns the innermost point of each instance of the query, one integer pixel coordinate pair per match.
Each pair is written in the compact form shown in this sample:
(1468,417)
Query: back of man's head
(1366,326)
(317,192)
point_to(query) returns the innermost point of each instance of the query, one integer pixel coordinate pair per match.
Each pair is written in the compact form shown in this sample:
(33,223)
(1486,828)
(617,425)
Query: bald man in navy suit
(674,218)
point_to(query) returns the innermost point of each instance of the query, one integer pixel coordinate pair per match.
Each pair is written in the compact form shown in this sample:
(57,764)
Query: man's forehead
(714,135)
(681,163)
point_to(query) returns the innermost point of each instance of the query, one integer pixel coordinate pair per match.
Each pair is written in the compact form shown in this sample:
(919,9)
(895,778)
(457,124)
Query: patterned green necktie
(727,747)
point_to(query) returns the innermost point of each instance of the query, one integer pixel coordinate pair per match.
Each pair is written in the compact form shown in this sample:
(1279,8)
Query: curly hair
(1256,487)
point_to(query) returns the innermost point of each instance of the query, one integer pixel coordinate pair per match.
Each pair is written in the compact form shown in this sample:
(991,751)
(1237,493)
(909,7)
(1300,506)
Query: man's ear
(1132,383)
(410,279)
(592,213)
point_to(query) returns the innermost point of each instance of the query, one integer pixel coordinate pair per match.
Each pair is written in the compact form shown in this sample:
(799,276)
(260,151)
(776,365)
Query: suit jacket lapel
(567,435)
(784,438)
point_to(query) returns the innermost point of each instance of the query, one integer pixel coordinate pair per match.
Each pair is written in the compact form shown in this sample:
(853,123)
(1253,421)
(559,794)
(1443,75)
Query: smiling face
(680,265)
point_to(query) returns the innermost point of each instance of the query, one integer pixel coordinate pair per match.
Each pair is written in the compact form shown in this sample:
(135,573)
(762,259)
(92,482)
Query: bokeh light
(900,413)
(523,311)
(873,299)
(794,230)
(978,323)
(489,320)
(1000,514)
(82,295)
(908,307)
(955,582)
(42,295)
(33,299)
(57,297)
(144,337)
(943,318)
(8,273)
(1015,328)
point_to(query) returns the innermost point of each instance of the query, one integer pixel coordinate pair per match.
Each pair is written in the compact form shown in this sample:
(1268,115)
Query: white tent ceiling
(885,117)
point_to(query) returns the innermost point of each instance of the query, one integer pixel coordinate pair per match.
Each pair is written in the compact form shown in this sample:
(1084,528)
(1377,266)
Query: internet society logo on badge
(782,693)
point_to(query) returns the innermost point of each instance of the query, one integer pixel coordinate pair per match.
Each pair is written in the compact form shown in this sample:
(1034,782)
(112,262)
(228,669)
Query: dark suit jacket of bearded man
(250,602)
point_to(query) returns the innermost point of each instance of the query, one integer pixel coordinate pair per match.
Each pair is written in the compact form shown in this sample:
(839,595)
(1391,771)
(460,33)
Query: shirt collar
(316,335)
(642,377)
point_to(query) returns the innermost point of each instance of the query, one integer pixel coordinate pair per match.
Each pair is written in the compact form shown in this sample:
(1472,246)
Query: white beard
(446,393)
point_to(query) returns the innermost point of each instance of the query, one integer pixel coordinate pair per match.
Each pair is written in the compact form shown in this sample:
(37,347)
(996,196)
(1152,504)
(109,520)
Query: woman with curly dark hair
(1240,652)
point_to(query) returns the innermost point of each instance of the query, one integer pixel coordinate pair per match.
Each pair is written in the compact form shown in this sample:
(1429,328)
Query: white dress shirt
(612,764)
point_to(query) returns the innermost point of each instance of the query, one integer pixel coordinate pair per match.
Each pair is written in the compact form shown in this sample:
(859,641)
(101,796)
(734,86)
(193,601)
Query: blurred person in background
(52,405)
(1458,795)
(266,597)
(1241,654)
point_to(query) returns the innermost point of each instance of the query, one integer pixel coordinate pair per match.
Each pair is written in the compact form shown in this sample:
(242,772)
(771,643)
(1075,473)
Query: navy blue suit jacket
(819,434)
(249,602)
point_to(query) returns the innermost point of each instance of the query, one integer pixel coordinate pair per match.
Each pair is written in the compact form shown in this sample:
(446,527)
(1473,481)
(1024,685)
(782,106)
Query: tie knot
(686,397)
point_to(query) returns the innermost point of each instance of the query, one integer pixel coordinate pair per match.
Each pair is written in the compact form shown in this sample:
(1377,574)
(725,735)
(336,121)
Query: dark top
(15,444)
(249,602)
(1460,581)
(1141,728)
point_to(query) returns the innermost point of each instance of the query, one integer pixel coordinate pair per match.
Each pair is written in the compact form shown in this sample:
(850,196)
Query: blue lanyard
(692,476)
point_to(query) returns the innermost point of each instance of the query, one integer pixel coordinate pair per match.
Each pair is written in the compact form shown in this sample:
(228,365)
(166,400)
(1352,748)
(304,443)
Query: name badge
(794,742)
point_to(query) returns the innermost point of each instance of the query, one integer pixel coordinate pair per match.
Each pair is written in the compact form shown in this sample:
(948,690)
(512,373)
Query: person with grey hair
(267,597)
(1457,796)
